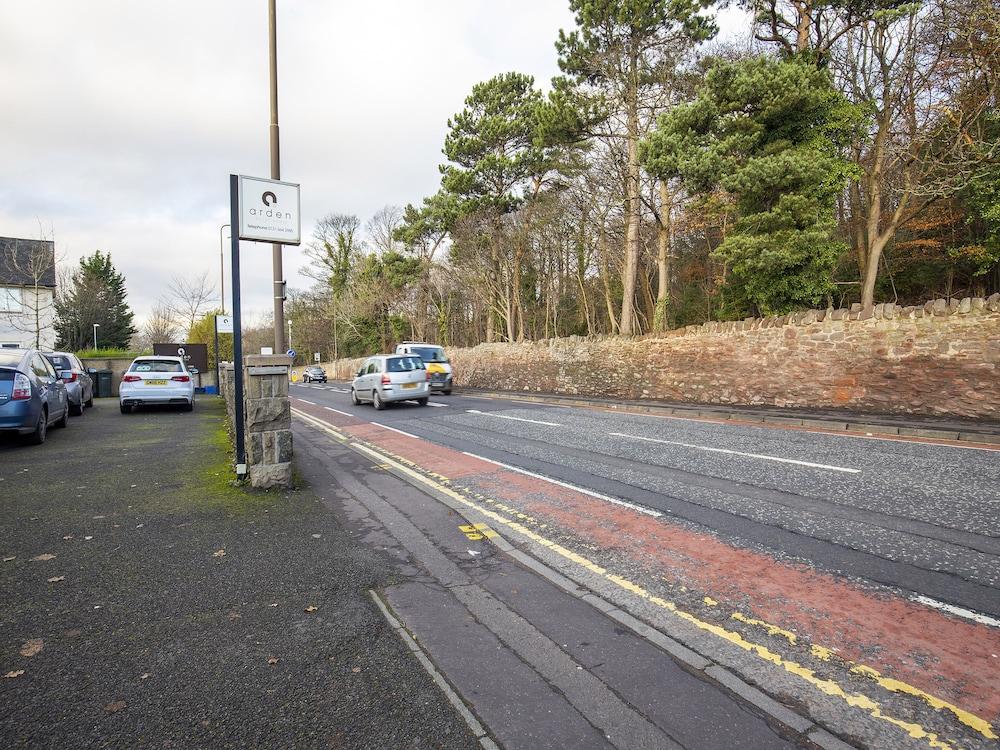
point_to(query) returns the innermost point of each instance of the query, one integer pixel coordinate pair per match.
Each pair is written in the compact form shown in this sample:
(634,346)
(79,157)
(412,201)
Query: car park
(156,380)
(435,360)
(32,394)
(385,378)
(314,374)
(79,384)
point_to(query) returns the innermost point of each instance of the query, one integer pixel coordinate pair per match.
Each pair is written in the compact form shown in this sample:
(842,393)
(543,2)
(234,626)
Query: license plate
(409,385)
(156,382)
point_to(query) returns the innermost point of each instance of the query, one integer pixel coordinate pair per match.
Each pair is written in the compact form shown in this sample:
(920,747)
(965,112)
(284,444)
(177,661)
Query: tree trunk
(602,244)
(631,270)
(663,249)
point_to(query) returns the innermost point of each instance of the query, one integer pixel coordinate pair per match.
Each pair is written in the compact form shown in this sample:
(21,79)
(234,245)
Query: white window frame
(11,300)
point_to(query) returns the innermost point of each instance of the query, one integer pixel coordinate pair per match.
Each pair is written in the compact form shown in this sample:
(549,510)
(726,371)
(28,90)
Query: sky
(123,119)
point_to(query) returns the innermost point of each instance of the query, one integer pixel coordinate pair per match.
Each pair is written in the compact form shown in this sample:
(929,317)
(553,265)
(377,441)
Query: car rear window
(59,362)
(429,353)
(10,360)
(404,364)
(156,365)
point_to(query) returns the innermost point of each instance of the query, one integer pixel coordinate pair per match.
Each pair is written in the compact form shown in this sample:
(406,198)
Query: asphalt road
(922,519)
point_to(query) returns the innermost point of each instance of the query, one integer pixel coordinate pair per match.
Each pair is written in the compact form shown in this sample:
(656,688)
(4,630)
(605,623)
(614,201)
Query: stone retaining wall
(942,358)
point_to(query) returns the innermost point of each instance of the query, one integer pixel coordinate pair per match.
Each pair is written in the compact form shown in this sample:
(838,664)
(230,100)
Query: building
(27,293)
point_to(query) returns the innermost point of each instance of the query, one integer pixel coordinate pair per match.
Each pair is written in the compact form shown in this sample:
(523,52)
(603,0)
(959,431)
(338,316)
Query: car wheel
(126,409)
(377,401)
(189,406)
(446,392)
(422,401)
(90,401)
(354,397)
(63,421)
(41,427)
(76,409)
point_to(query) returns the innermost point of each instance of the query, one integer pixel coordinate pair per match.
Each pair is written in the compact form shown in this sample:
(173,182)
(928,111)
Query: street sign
(291,353)
(269,211)
(223,324)
(315,356)
(267,350)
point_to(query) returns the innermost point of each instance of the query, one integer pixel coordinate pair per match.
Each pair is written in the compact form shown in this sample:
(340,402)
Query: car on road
(435,360)
(391,377)
(156,380)
(79,384)
(32,394)
(314,374)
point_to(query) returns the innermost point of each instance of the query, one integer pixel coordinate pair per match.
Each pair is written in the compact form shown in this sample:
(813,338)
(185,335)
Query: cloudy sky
(122,119)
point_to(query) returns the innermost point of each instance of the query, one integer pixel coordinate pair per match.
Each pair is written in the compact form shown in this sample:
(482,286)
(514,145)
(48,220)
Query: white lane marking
(341,390)
(311,403)
(435,403)
(516,419)
(317,387)
(739,453)
(567,485)
(387,427)
(968,614)
(346,414)
(319,424)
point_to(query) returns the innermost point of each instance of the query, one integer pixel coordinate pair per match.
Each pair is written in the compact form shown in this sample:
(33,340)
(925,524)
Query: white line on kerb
(567,485)
(968,614)
(387,427)
(346,414)
(311,403)
(738,453)
(516,419)
(435,403)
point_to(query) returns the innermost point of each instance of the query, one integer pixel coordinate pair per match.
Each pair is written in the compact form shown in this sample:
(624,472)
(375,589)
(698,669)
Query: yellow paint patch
(771,629)
(710,601)
(477,531)
(827,686)
(821,652)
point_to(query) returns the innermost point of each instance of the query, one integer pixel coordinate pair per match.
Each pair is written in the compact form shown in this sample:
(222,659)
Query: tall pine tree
(96,295)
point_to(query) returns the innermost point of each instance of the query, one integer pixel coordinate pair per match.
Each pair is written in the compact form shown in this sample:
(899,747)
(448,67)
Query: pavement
(849,578)
(145,601)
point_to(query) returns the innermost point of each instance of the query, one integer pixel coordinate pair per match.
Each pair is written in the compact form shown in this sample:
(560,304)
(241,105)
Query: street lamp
(222,266)
(96,326)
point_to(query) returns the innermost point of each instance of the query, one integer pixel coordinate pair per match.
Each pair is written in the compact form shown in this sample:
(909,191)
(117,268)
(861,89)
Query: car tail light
(386,380)
(428,373)
(22,387)
(70,379)
(181,378)
(131,379)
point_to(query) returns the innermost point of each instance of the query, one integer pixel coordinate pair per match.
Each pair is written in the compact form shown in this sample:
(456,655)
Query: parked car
(79,384)
(156,380)
(436,361)
(390,377)
(314,374)
(32,394)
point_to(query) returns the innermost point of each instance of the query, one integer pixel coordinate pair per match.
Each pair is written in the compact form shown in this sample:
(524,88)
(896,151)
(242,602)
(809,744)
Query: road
(872,564)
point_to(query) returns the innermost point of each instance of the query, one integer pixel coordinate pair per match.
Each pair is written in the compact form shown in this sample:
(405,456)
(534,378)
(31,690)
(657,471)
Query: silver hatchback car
(391,377)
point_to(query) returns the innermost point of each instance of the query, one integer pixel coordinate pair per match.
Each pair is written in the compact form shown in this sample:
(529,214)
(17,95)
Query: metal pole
(218,383)
(234,221)
(222,267)
(278,274)
(96,326)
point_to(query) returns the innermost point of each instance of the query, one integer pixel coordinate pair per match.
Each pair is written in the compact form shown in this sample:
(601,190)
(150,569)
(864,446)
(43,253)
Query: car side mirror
(360,372)
(193,370)
(65,374)
(91,370)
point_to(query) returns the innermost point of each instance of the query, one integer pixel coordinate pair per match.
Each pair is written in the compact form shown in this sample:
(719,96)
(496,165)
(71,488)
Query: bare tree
(188,298)
(160,328)
(381,228)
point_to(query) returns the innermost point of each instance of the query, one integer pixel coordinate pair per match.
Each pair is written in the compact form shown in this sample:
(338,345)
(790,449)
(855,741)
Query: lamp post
(222,266)
(278,275)
(96,326)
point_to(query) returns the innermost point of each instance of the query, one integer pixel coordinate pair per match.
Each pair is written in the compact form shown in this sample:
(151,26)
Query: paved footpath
(853,578)
(147,603)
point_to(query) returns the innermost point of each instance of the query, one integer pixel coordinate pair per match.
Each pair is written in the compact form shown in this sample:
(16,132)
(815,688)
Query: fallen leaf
(356,669)
(68,536)
(311,608)
(56,579)
(8,559)
(235,615)
(275,604)
(317,536)
(144,676)
(43,557)
(31,647)
(219,553)
(97,518)
(272,660)
(139,526)
(87,538)
(15,673)
(115,707)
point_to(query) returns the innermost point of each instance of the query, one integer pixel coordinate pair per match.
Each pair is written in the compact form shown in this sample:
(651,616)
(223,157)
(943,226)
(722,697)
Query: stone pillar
(268,420)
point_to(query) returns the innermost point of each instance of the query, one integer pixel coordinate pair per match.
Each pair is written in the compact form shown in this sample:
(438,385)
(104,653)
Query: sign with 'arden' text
(269,211)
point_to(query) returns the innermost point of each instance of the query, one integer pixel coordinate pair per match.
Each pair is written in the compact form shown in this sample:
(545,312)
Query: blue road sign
(291,353)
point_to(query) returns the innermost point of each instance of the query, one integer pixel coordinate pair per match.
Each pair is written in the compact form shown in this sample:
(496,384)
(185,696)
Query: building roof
(21,260)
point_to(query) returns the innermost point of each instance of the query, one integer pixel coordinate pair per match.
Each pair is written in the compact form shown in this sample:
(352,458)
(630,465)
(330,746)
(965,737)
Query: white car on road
(156,380)
(390,377)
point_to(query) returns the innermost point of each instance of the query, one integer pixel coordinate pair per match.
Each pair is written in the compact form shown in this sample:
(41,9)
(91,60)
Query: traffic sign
(315,356)
(291,353)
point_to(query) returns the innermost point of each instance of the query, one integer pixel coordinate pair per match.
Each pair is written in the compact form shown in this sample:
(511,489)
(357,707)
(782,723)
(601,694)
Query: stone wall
(267,417)
(938,359)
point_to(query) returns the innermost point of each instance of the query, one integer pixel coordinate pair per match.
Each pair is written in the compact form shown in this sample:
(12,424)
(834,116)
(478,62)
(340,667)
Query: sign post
(263,211)
(223,324)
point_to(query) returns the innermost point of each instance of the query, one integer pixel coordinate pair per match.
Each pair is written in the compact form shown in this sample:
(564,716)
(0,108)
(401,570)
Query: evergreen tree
(96,295)
(770,134)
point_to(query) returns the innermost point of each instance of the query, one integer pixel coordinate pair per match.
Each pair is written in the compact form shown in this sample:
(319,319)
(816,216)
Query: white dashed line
(311,403)
(738,453)
(338,411)
(387,427)
(951,609)
(435,403)
(516,419)
(567,485)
